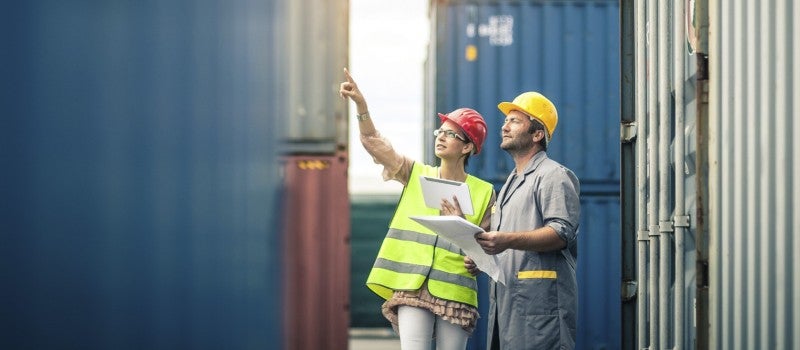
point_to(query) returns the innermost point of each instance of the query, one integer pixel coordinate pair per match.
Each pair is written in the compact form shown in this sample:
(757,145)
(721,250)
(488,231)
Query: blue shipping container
(139,178)
(485,52)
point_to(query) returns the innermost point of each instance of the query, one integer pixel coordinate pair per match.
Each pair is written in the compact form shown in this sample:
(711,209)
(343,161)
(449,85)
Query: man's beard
(516,144)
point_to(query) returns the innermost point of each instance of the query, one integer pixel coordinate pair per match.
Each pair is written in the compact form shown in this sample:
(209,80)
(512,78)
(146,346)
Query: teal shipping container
(485,52)
(370,216)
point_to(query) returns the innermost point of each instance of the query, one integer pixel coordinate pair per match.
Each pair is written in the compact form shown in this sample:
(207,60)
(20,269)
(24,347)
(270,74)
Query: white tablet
(433,190)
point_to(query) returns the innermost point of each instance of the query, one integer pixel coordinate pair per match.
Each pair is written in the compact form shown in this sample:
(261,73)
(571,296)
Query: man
(535,223)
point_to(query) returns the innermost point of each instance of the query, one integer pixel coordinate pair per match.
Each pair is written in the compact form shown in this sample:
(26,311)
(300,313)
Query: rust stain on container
(316,252)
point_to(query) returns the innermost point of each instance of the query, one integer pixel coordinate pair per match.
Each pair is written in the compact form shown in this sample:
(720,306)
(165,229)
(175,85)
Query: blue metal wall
(484,52)
(138,177)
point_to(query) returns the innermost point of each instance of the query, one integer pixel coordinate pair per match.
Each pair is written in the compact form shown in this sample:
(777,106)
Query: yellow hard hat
(536,106)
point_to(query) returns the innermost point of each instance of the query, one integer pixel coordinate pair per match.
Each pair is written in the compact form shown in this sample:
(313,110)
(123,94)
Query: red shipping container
(316,252)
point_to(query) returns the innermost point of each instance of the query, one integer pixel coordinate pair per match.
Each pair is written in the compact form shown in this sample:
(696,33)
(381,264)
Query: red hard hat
(471,122)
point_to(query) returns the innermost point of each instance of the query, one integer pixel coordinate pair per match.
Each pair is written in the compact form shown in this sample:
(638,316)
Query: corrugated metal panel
(599,299)
(754,158)
(138,186)
(490,51)
(370,217)
(485,52)
(316,252)
(313,48)
(663,223)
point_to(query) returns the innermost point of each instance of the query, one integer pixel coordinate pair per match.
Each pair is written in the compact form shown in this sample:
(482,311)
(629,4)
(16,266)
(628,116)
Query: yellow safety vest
(411,253)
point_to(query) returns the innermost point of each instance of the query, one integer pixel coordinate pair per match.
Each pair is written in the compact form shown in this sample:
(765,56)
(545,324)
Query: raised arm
(395,166)
(349,89)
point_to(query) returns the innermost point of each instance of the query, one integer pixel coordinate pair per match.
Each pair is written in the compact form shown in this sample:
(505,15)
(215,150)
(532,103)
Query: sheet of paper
(462,233)
(433,190)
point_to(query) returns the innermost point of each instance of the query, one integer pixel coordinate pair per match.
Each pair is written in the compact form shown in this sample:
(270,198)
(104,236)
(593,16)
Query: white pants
(416,326)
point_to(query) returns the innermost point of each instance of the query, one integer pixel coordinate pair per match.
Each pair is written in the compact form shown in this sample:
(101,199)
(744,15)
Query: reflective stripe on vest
(410,253)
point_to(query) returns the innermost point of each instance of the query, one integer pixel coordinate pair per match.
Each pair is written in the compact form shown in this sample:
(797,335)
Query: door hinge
(627,131)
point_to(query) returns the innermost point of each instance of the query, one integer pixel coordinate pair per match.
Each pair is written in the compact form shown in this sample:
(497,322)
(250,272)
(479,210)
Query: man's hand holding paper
(462,233)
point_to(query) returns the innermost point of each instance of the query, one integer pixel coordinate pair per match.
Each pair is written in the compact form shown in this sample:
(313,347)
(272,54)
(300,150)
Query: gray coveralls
(537,308)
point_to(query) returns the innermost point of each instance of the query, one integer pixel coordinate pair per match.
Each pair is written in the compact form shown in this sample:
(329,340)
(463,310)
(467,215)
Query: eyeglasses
(449,133)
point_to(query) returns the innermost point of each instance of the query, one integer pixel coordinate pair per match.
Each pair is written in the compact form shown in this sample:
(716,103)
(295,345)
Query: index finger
(347,76)
(455,201)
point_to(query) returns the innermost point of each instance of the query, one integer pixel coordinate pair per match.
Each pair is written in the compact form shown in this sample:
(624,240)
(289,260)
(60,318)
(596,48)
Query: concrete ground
(373,339)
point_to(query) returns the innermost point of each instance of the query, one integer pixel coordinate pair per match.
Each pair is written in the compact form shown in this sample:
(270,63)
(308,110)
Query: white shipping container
(710,185)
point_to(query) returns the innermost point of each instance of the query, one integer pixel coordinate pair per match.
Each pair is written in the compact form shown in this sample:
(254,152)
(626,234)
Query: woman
(422,277)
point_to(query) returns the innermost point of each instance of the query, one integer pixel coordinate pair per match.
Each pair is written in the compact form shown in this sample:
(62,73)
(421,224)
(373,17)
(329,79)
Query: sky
(388,48)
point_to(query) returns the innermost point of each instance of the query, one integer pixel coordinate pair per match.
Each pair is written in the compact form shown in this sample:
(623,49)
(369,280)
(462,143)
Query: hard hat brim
(507,107)
(443,118)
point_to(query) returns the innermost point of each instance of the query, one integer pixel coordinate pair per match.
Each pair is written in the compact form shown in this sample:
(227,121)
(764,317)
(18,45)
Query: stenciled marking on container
(499,30)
